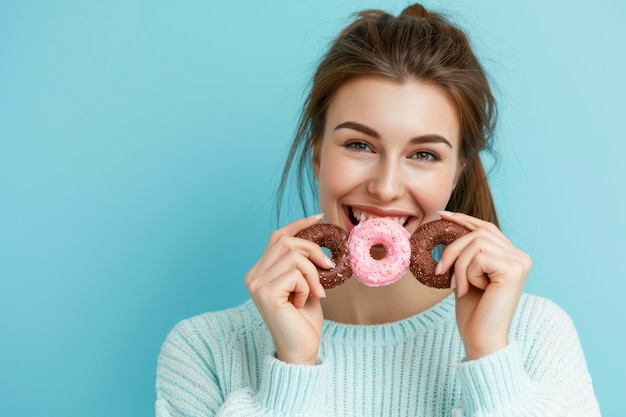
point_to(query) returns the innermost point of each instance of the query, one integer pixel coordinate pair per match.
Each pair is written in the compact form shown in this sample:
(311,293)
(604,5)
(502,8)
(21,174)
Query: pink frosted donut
(378,272)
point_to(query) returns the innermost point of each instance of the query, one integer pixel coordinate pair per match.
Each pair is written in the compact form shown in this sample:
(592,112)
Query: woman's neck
(354,303)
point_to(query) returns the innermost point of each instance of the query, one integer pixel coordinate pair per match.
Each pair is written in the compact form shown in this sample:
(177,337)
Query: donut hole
(437,252)
(327,251)
(378,252)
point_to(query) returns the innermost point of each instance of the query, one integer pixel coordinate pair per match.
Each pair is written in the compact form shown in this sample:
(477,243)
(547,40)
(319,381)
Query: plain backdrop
(141,144)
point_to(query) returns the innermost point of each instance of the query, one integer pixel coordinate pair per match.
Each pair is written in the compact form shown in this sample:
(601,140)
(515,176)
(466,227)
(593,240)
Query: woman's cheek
(434,195)
(333,182)
(337,176)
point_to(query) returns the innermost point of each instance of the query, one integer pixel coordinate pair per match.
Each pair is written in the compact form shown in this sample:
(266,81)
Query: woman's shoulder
(533,306)
(212,351)
(220,324)
(536,315)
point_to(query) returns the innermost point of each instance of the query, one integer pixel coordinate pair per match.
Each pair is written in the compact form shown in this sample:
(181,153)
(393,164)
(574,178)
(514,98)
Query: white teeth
(361,216)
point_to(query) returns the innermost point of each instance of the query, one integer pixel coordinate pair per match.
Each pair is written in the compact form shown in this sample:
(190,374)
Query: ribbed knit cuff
(293,389)
(494,382)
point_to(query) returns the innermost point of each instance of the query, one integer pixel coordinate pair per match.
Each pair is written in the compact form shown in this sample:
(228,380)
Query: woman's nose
(386,182)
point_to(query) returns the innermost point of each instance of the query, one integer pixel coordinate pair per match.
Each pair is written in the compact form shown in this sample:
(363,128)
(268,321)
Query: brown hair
(416,45)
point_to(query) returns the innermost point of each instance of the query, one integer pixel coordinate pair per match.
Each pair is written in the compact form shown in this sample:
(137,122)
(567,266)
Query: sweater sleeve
(188,385)
(544,376)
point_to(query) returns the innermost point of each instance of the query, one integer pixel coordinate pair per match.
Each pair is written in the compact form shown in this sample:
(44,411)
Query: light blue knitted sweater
(223,364)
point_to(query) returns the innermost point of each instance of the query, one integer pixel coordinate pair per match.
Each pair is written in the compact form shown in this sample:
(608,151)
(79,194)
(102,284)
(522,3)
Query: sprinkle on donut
(352,253)
(379,231)
(423,241)
(335,239)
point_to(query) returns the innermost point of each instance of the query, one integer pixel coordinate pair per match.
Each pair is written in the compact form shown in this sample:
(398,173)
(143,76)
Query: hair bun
(415,10)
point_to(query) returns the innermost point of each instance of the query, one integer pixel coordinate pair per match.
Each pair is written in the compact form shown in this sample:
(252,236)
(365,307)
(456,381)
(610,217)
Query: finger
(293,228)
(471,223)
(294,289)
(495,265)
(452,251)
(285,291)
(475,273)
(474,267)
(286,247)
(293,261)
(311,276)
(302,294)
(281,242)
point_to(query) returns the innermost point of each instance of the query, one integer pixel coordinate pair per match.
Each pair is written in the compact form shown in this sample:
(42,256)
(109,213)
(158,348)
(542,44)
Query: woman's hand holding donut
(284,285)
(489,274)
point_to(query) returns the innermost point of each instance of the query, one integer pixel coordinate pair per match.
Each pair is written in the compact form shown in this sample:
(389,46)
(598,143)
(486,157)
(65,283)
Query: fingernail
(453,281)
(329,262)
(445,213)
(322,291)
(319,216)
(438,268)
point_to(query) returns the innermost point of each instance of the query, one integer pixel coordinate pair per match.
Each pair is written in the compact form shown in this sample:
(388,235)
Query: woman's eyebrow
(359,127)
(430,138)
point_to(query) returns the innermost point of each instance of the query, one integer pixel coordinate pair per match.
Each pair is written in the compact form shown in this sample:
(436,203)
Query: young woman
(396,117)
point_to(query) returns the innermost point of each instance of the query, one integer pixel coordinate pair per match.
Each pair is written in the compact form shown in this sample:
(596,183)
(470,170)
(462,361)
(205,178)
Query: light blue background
(141,143)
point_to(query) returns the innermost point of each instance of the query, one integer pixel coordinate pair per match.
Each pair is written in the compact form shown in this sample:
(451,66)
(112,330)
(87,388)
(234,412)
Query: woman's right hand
(284,285)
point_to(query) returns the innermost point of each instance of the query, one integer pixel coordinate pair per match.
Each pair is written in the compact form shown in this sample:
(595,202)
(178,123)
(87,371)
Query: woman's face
(389,150)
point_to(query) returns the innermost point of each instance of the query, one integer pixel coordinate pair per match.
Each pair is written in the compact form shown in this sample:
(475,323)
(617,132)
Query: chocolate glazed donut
(423,241)
(335,239)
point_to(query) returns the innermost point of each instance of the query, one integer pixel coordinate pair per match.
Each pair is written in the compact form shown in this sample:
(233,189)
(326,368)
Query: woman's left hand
(489,274)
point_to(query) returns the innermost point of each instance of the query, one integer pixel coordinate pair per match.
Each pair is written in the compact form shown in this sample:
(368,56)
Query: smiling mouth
(357,216)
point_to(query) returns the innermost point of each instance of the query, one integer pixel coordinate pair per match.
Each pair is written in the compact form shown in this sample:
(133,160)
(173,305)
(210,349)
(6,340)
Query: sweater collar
(442,312)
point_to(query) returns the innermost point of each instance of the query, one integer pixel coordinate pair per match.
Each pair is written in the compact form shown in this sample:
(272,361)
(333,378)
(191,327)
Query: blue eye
(359,146)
